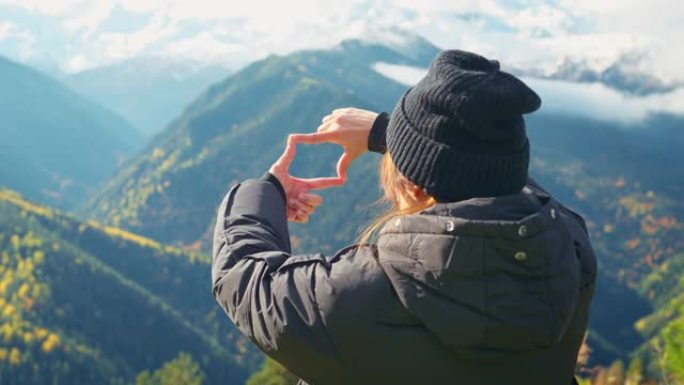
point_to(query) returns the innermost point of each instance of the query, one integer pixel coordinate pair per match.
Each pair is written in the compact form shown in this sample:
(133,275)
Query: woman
(478,276)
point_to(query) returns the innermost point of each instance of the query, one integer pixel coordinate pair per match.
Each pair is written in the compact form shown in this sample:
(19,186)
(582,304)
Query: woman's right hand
(348,127)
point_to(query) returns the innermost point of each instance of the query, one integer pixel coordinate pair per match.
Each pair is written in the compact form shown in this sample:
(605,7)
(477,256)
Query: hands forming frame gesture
(347,127)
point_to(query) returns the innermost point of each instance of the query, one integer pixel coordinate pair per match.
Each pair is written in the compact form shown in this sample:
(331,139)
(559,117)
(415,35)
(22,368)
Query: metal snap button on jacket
(522,230)
(450,226)
(520,256)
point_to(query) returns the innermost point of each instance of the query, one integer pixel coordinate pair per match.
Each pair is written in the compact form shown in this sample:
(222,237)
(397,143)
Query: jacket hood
(487,276)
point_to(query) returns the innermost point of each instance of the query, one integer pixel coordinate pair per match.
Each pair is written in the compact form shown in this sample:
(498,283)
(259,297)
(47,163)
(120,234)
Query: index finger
(321,183)
(316,137)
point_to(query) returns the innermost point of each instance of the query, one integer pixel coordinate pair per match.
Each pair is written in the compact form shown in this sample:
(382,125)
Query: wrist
(376,136)
(270,177)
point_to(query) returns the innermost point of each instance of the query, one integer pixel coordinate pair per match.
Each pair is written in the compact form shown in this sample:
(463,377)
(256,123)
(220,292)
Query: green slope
(663,330)
(56,146)
(232,132)
(82,303)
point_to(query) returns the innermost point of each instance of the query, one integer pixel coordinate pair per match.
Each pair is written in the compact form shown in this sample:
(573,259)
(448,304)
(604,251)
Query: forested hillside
(233,131)
(82,303)
(55,145)
(635,219)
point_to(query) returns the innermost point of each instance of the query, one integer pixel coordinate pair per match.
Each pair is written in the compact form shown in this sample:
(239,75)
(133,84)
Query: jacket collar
(500,216)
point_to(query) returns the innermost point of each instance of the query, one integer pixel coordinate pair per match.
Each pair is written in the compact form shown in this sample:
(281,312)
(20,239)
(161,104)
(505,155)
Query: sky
(74,35)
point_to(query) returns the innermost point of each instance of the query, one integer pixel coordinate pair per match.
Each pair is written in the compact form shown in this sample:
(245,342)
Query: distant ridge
(55,145)
(147,91)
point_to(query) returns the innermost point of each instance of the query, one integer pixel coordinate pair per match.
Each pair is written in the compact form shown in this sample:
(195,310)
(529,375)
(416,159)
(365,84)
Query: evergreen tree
(271,373)
(616,373)
(635,371)
(673,354)
(182,370)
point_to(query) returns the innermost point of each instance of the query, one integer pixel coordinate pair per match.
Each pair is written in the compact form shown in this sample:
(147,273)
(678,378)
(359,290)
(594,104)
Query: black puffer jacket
(477,292)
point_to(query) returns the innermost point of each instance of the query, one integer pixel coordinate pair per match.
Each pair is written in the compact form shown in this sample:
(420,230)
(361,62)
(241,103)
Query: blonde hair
(395,186)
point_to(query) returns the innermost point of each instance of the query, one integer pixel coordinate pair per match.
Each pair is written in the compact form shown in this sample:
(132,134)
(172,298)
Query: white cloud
(657,23)
(592,100)
(51,7)
(141,6)
(542,18)
(544,34)
(6,28)
(77,63)
(118,46)
(488,7)
(19,38)
(540,34)
(404,74)
(89,17)
(205,47)
(600,102)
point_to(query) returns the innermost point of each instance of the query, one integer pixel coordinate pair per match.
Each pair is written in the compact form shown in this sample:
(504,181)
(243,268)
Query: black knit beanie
(459,133)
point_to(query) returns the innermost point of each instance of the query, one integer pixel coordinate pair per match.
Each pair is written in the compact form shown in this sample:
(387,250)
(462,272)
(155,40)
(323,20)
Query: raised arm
(279,300)
(269,294)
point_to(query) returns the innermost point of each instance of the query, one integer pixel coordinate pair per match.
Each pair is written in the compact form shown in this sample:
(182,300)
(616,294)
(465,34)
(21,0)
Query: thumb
(343,165)
(287,156)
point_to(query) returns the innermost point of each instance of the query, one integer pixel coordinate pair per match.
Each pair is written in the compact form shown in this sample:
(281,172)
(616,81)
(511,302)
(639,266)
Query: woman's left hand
(300,202)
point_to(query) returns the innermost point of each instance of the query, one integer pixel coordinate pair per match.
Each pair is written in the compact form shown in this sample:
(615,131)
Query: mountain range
(621,176)
(147,91)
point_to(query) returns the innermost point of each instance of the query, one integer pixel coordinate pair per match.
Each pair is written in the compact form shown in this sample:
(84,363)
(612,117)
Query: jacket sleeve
(376,137)
(270,295)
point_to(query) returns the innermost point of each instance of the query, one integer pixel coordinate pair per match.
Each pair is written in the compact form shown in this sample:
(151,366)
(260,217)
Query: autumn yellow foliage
(15,356)
(16,199)
(50,343)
